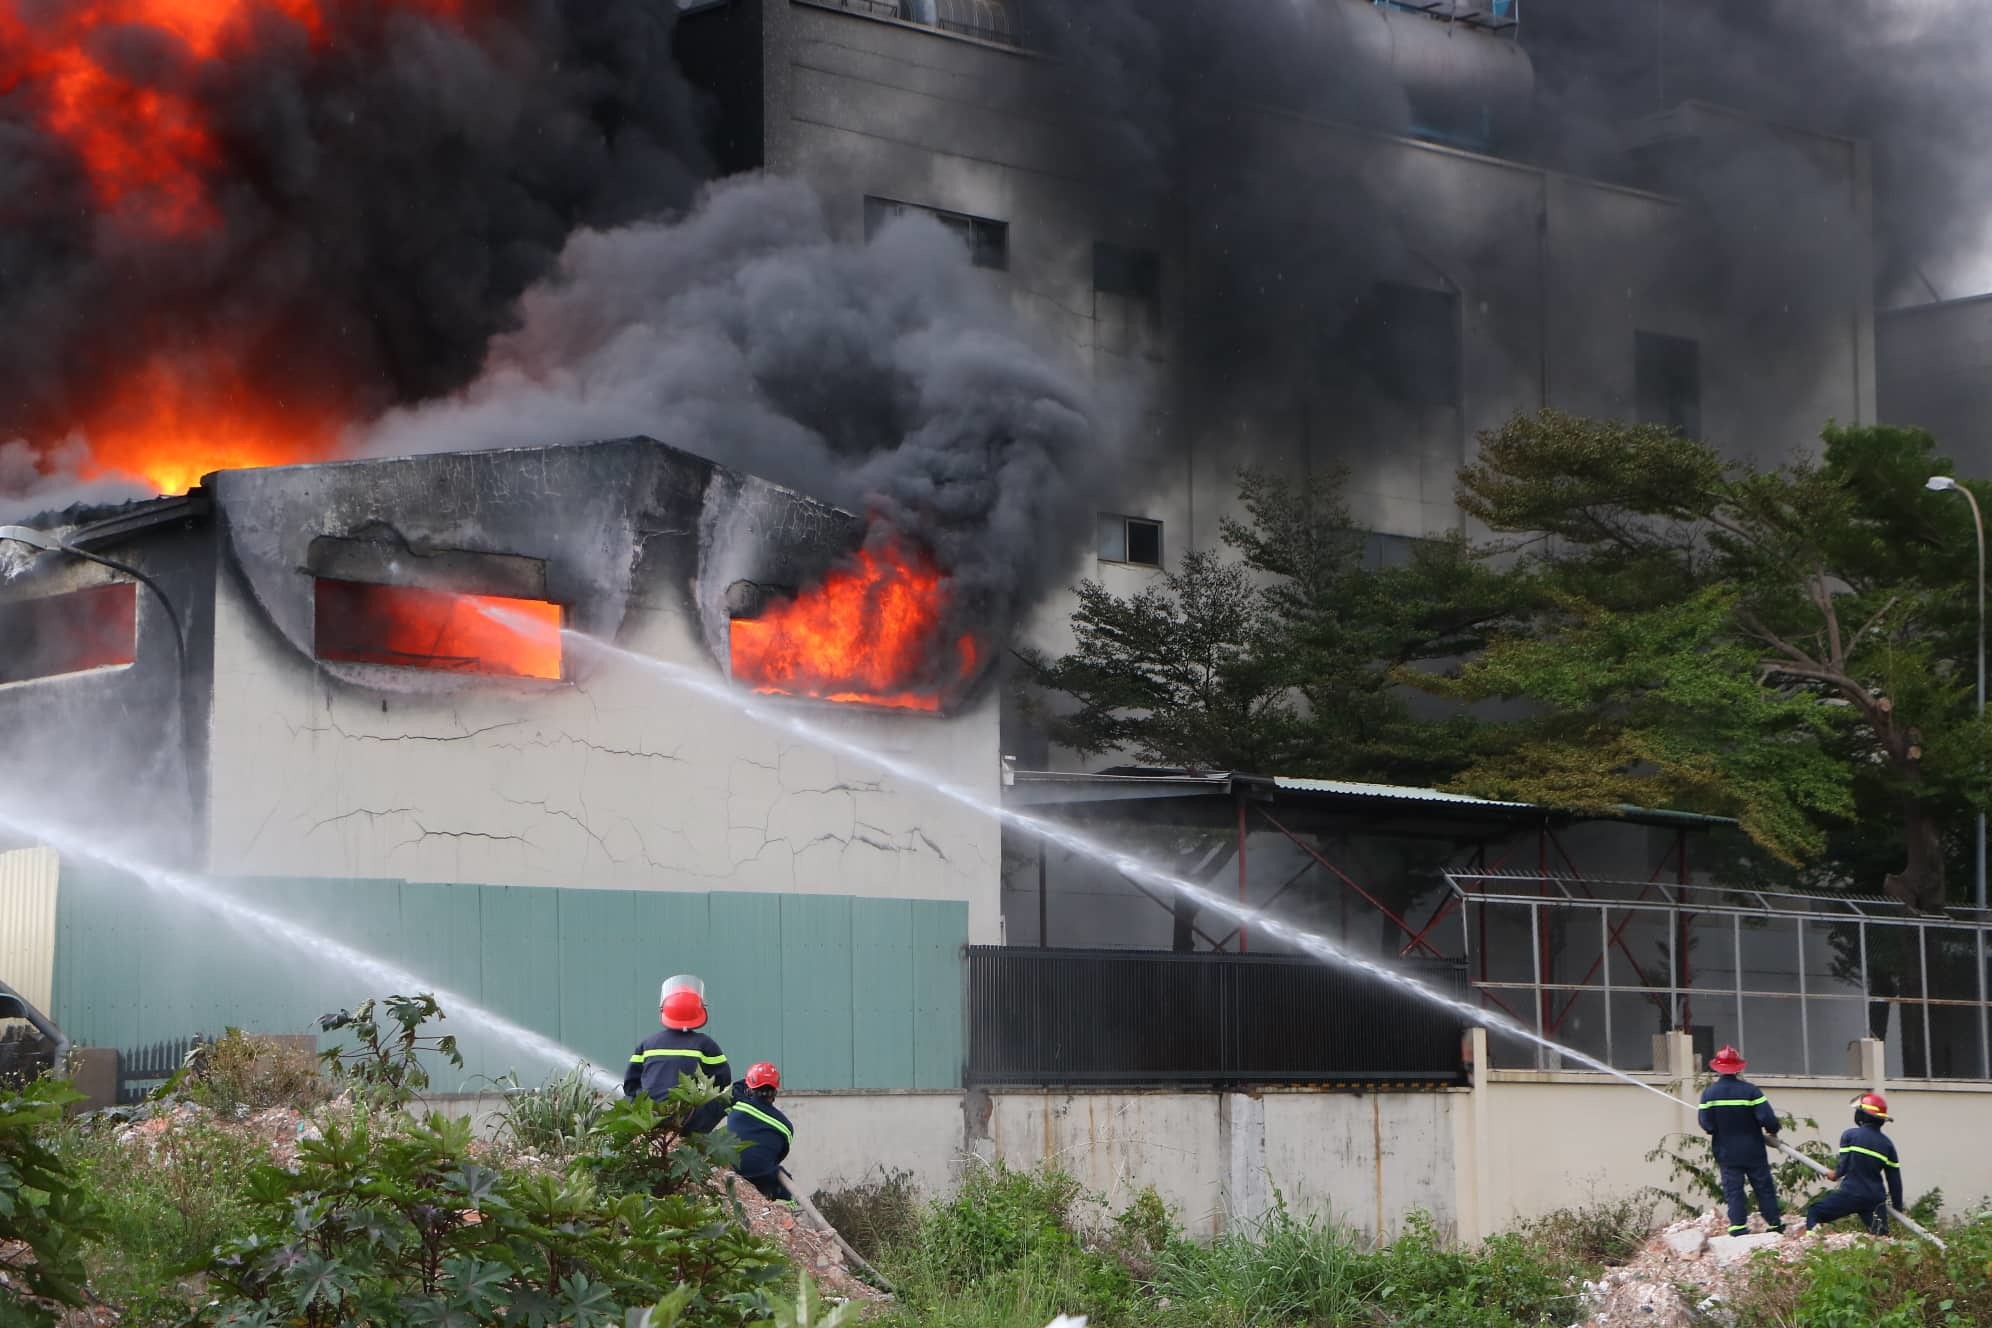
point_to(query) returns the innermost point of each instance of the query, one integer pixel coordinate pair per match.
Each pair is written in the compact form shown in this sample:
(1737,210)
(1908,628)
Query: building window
(1130,539)
(1406,339)
(1382,552)
(1127,298)
(988,241)
(1667,374)
(359,622)
(75,632)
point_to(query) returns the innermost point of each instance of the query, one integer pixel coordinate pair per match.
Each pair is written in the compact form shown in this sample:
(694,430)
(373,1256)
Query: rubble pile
(810,1249)
(1687,1272)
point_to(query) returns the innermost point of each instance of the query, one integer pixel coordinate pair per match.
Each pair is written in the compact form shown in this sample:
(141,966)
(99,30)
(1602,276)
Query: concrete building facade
(548,843)
(1503,287)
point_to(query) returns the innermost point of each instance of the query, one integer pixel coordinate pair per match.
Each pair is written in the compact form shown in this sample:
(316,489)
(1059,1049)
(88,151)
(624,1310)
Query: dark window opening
(1406,339)
(1382,552)
(75,632)
(1129,539)
(1136,273)
(1667,375)
(358,622)
(988,241)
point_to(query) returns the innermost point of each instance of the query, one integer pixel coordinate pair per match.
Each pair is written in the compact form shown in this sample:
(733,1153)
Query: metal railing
(1134,1018)
(1790,978)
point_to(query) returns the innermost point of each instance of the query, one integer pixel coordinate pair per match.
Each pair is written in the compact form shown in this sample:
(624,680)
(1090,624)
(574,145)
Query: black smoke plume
(381,197)
(890,377)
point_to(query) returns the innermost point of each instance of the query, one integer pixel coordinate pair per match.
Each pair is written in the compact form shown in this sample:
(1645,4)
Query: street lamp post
(1940,483)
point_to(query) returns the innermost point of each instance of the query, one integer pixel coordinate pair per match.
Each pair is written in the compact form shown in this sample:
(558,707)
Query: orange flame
(174,419)
(866,635)
(358,622)
(144,147)
(146,150)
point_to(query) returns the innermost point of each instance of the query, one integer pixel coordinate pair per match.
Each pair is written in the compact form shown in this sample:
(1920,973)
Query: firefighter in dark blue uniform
(763,1131)
(1738,1117)
(679,1050)
(1869,1172)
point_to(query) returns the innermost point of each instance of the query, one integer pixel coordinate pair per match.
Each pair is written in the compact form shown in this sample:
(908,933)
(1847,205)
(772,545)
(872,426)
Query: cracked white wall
(616,781)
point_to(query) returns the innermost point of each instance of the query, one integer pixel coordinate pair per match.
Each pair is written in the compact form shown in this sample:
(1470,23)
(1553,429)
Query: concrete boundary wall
(1512,1146)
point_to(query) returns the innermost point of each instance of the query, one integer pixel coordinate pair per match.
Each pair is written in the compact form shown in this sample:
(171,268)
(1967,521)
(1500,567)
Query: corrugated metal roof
(1393,792)
(1405,793)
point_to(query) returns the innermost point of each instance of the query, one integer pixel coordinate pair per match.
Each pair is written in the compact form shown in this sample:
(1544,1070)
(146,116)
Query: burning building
(385,719)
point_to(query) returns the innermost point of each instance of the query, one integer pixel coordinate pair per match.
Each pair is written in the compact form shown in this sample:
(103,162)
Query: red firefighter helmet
(682,1002)
(761,1074)
(1874,1104)
(1727,1061)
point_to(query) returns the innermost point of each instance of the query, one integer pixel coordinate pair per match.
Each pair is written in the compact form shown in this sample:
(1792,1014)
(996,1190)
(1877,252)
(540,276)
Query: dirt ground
(1685,1272)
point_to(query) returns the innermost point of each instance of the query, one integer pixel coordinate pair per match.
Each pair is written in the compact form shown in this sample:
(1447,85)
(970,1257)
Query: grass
(166,1204)
(1015,1249)
(553,1119)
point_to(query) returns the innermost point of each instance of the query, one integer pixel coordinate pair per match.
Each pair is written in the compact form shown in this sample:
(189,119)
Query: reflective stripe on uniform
(1879,1157)
(765,1118)
(691,1052)
(1737,1102)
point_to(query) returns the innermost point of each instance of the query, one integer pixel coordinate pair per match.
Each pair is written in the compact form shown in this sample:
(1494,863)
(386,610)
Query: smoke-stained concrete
(887,376)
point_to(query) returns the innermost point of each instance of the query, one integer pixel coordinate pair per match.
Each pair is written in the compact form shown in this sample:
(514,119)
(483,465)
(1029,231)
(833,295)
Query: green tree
(1280,659)
(1785,645)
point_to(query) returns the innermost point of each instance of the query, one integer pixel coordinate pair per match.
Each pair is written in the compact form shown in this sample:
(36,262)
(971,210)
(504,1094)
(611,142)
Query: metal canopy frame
(1543,894)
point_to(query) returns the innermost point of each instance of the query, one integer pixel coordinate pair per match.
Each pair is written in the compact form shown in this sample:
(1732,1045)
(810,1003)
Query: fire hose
(823,1224)
(1895,1212)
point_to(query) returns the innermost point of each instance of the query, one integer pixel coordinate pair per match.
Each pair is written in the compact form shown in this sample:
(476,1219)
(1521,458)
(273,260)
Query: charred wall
(123,748)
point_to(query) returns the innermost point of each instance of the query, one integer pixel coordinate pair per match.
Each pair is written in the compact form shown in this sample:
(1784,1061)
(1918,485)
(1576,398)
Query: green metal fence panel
(882,990)
(817,1034)
(840,992)
(521,967)
(940,993)
(601,958)
(746,982)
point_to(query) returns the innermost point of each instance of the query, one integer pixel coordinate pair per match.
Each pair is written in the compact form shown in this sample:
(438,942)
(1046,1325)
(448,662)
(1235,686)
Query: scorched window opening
(80,631)
(1131,540)
(360,622)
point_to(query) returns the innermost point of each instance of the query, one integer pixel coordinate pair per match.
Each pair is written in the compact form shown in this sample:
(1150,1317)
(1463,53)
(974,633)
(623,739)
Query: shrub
(1697,1180)
(1878,1284)
(165,1202)
(1602,1234)
(553,1120)
(1007,1249)
(385,1067)
(394,1222)
(45,1213)
(244,1070)
(874,1216)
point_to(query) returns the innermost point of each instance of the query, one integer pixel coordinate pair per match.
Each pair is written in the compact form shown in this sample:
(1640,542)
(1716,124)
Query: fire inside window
(82,630)
(1130,539)
(988,241)
(359,622)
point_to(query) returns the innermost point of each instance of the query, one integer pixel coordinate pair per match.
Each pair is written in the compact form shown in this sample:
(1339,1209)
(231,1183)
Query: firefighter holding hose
(1869,1172)
(765,1134)
(1738,1118)
(678,1051)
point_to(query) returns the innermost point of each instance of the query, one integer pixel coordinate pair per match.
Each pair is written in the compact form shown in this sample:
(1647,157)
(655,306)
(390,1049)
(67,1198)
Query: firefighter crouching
(763,1131)
(678,1051)
(1738,1117)
(1869,1171)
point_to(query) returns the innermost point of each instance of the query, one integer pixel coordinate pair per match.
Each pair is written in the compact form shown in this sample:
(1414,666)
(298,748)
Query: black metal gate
(1133,1018)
